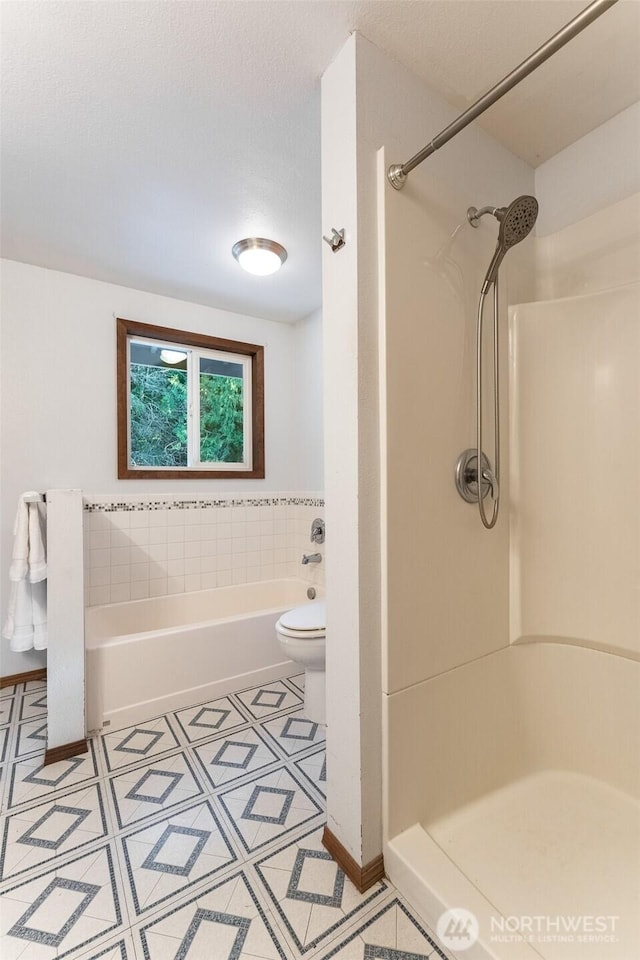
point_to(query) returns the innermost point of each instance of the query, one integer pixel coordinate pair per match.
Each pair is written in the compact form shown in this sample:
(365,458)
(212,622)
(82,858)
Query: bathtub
(146,657)
(522,799)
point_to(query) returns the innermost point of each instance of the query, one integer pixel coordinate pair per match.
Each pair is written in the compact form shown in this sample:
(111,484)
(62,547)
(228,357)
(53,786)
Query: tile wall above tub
(137,547)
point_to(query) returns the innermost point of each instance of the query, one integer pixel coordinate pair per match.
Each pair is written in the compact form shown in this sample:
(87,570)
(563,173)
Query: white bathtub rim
(122,638)
(100,642)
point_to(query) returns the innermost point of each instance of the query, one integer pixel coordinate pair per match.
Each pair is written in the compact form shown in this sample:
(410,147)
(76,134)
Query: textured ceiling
(141,140)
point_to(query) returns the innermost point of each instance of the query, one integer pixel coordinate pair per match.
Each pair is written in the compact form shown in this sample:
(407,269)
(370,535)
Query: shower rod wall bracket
(397,173)
(336,241)
(397,178)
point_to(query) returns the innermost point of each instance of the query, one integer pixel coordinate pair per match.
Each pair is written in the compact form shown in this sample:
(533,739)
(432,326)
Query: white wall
(342,447)
(307,413)
(596,171)
(65,614)
(58,377)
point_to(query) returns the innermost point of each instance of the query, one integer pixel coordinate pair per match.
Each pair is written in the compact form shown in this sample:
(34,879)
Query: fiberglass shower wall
(447,597)
(575,363)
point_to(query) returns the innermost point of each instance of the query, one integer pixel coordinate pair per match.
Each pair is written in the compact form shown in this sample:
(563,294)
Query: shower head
(516,222)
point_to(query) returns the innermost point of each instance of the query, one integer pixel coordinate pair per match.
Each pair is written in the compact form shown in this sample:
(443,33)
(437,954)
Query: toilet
(301,633)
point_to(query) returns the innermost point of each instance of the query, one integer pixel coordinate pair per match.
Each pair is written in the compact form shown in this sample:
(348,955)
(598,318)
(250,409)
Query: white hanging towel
(26,623)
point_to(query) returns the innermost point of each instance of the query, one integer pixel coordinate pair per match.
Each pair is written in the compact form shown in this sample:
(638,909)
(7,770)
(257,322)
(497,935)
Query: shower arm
(397,173)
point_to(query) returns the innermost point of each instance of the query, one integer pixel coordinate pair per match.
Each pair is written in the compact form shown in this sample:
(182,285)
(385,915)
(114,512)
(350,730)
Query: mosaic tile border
(114,945)
(116,506)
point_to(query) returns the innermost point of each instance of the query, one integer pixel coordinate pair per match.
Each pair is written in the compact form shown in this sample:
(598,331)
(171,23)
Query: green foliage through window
(158,416)
(221,419)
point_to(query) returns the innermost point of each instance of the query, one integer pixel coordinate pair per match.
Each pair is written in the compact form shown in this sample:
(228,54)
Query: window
(189,405)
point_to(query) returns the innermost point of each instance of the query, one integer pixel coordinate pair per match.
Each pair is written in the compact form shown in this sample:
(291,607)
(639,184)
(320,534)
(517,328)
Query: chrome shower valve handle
(467,476)
(494,487)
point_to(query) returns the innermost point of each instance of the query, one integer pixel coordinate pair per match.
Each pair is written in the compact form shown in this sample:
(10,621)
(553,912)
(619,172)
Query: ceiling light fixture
(259,256)
(172,356)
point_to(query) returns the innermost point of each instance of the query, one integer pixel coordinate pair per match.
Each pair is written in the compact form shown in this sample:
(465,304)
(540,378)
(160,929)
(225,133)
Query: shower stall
(511,668)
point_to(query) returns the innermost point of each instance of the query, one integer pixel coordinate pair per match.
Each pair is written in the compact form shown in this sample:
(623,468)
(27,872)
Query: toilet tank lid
(310,616)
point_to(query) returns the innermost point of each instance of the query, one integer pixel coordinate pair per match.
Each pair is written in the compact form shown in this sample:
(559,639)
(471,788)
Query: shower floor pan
(557,847)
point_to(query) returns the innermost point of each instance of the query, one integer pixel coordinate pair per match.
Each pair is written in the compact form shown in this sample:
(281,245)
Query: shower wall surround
(576,404)
(138,547)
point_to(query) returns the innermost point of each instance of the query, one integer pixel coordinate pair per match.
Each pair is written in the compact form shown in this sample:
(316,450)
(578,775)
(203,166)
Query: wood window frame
(131,328)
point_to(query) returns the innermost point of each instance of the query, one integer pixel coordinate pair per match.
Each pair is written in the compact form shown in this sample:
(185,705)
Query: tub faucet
(312,558)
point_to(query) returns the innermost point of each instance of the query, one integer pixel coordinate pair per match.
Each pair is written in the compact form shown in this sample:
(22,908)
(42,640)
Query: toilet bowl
(301,633)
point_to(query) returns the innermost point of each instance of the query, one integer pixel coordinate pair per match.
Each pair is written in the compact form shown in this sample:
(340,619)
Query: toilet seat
(307,622)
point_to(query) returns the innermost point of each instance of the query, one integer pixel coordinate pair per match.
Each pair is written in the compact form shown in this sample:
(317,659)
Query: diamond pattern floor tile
(31,737)
(62,910)
(122,748)
(294,732)
(390,934)
(144,849)
(5,736)
(310,893)
(119,949)
(297,682)
(233,756)
(268,699)
(268,807)
(148,790)
(29,781)
(209,719)
(173,854)
(52,829)
(227,915)
(7,710)
(33,705)
(314,768)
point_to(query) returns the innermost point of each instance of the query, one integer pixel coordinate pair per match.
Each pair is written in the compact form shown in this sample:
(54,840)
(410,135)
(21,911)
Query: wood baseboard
(65,751)
(26,677)
(361,877)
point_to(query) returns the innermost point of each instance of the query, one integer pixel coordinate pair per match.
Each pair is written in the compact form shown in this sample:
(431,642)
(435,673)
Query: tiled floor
(194,836)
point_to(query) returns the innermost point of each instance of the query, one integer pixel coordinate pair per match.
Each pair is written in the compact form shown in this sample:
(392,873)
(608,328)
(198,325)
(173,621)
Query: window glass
(158,408)
(221,411)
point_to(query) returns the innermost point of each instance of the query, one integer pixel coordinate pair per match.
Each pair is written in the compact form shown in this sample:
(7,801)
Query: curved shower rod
(397,173)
